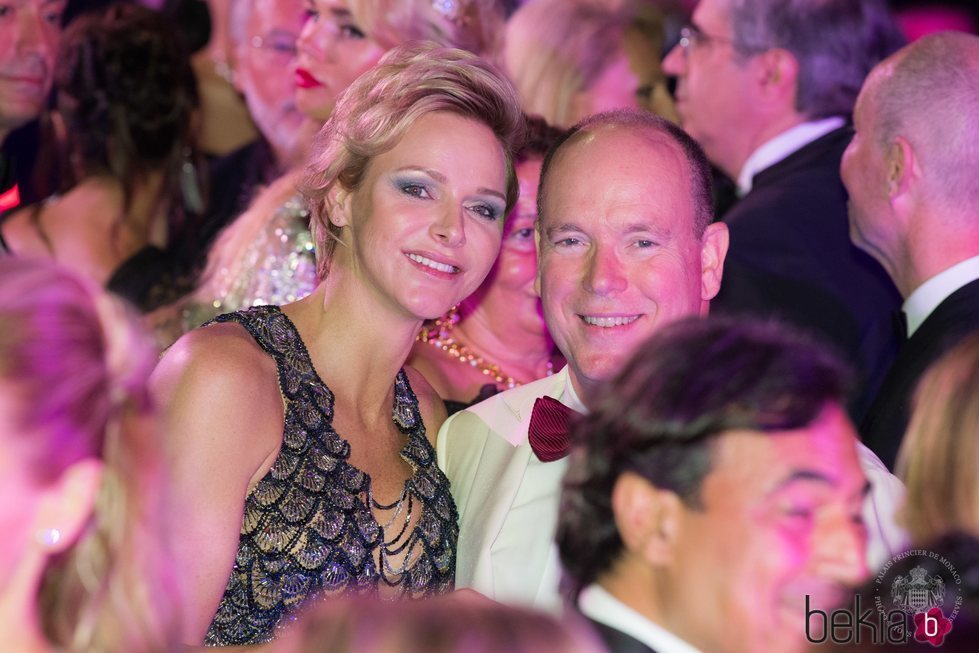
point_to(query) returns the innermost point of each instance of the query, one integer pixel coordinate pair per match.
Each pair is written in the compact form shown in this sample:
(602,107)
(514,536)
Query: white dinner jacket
(505,551)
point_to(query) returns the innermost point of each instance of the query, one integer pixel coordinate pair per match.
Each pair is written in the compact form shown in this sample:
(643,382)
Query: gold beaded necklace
(439,335)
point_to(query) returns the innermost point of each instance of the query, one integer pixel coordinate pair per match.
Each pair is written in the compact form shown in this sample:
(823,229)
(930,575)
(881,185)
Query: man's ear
(647,519)
(902,168)
(338,202)
(777,74)
(713,251)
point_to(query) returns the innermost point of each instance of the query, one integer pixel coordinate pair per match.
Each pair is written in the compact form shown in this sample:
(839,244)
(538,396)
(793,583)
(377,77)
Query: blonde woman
(570,59)
(939,456)
(266,256)
(301,450)
(84,566)
(496,338)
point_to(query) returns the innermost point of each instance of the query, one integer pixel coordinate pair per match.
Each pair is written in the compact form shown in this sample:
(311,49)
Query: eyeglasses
(280,45)
(692,36)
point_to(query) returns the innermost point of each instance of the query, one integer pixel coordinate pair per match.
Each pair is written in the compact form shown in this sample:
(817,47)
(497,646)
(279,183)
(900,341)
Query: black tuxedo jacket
(954,319)
(617,641)
(791,257)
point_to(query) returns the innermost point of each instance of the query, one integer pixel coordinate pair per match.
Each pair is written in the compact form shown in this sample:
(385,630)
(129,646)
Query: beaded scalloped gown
(311,526)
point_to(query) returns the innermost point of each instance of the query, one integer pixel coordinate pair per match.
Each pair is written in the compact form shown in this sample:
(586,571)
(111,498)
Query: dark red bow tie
(548,429)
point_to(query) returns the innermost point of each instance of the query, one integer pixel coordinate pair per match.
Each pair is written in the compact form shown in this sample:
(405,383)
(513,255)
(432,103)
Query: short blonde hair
(940,453)
(376,110)
(77,362)
(473,25)
(556,49)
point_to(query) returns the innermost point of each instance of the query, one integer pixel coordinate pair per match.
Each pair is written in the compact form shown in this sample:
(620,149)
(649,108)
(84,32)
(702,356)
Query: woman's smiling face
(425,225)
(332,51)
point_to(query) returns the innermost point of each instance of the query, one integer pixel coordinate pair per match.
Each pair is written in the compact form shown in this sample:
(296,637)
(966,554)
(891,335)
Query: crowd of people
(489,326)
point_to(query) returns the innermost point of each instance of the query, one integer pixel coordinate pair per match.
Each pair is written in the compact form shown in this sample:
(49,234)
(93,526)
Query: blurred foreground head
(83,545)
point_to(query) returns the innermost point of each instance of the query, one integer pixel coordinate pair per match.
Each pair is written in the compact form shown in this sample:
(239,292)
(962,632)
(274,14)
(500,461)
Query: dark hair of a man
(836,42)
(540,137)
(693,380)
(640,121)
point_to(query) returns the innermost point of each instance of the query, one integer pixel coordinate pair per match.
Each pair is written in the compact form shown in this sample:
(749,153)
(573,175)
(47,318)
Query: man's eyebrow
(646,227)
(812,476)
(564,227)
(802,475)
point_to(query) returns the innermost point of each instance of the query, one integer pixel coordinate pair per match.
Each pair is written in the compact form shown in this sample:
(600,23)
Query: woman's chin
(319,111)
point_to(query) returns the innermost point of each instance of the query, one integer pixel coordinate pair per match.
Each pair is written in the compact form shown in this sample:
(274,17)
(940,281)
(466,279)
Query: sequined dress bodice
(278,266)
(308,528)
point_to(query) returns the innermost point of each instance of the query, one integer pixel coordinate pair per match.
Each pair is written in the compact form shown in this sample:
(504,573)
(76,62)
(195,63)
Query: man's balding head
(624,241)
(639,124)
(910,169)
(928,93)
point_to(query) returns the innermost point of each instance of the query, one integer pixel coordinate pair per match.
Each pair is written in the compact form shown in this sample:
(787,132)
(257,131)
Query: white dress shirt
(925,299)
(597,604)
(780,147)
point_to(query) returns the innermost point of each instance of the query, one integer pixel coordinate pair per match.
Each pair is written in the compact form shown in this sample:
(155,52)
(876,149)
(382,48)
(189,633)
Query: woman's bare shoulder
(21,234)
(219,373)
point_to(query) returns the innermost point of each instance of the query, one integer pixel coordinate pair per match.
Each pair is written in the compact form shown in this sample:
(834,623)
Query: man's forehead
(617,168)
(823,451)
(616,151)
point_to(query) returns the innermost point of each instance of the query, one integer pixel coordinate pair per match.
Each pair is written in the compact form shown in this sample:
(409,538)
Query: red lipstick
(305,80)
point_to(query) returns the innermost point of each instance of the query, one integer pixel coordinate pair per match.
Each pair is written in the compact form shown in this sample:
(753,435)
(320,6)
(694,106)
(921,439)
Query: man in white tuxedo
(626,246)
(713,498)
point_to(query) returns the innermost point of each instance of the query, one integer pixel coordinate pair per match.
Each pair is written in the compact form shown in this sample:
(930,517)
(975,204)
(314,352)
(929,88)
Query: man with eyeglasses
(264,34)
(767,88)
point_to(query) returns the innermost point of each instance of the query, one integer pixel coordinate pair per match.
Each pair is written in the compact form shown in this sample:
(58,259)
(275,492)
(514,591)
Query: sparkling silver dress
(277,267)
(311,526)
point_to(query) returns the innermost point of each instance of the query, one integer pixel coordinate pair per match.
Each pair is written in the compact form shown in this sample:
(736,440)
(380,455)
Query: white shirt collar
(778,148)
(925,299)
(570,398)
(596,603)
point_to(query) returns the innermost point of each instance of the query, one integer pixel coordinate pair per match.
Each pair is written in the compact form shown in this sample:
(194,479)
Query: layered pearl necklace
(439,335)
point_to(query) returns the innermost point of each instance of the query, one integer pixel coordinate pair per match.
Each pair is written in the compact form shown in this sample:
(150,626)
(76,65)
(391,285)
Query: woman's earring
(48,537)
(190,186)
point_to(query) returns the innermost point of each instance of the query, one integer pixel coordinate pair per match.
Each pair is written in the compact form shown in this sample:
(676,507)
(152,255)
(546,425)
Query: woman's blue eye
(643,243)
(415,190)
(485,210)
(524,234)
